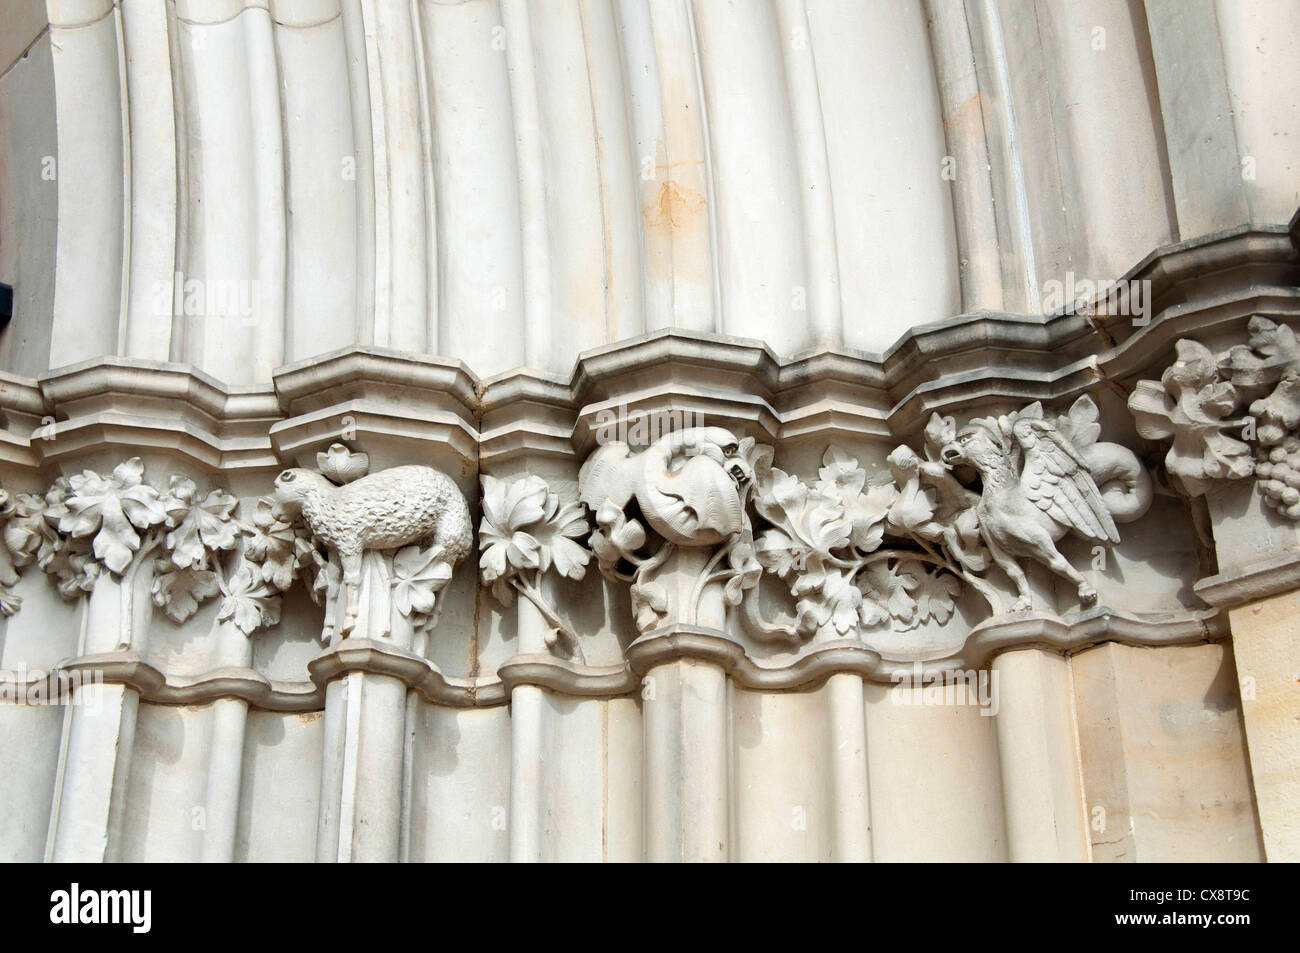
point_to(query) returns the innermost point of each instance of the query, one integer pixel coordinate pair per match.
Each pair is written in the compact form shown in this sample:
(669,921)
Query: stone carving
(853,555)
(389,511)
(525,532)
(10,562)
(89,524)
(825,542)
(859,555)
(1041,479)
(1232,415)
(691,489)
(276,551)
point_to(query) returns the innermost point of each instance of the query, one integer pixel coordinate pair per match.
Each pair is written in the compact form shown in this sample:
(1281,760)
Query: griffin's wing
(1057,481)
(608,474)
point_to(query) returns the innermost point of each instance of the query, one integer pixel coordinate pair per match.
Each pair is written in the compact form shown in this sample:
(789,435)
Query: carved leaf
(935,596)
(507,507)
(198,527)
(112,509)
(252,602)
(649,604)
(180,591)
(1080,425)
(420,574)
(939,431)
(842,479)
(1190,404)
(889,585)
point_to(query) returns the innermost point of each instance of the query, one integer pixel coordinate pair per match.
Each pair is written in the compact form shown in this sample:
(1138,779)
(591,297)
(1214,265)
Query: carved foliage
(1231,415)
(525,532)
(853,554)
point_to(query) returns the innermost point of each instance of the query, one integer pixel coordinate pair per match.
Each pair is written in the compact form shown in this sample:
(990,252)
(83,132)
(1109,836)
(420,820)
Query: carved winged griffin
(1042,480)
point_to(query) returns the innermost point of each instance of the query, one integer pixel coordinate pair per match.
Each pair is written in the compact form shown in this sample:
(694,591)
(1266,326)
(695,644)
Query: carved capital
(1230,416)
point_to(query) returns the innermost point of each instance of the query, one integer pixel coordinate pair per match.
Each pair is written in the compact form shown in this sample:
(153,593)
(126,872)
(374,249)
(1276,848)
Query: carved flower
(525,527)
(419,574)
(1191,404)
(508,507)
(252,602)
(561,524)
(198,527)
(111,509)
(341,465)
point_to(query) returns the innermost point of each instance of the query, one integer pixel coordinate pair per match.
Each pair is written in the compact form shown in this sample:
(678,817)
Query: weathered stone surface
(705,431)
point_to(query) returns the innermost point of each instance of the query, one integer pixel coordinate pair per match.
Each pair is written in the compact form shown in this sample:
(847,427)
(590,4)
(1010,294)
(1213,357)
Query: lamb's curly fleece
(388,509)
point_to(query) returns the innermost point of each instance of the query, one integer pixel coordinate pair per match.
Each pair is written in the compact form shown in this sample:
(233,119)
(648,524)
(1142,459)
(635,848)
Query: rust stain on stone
(674,208)
(969,116)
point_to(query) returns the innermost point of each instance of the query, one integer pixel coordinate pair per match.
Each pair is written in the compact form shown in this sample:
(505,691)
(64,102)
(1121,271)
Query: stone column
(99,734)
(365,724)
(1038,749)
(850,798)
(1259,586)
(527,716)
(686,721)
(226,757)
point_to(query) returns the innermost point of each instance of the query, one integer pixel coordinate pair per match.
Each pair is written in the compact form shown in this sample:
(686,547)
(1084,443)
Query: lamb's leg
(350,561)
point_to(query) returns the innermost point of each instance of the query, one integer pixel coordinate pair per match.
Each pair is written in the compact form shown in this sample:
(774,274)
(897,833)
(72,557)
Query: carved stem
(536,598)
(151,542)
(697,591)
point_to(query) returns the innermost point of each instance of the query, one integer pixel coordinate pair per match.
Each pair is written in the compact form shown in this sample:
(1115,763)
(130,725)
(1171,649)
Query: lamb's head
(296,486)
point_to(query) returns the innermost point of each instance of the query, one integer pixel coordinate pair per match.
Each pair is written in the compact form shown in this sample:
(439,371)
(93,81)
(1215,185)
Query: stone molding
(1259,580)
(995,371)
(1206,287)
(673,643)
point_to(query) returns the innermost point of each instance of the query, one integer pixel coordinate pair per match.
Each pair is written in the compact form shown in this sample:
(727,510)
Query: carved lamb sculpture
(386,510)
(1023,510)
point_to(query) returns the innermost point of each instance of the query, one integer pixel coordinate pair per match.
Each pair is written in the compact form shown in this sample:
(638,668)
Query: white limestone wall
(510,184)
(513,183)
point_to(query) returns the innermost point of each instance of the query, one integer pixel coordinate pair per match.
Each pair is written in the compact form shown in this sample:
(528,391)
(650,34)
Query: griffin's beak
(950,454)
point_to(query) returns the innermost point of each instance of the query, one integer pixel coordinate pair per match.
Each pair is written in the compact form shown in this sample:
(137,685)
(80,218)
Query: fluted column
(1038,750)
(95,761)
(361,797)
